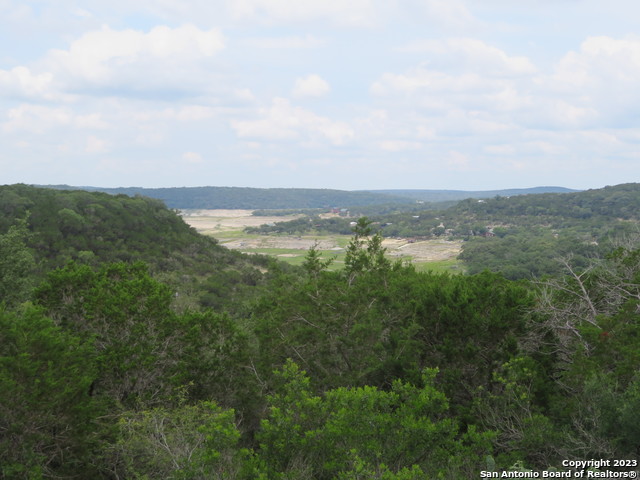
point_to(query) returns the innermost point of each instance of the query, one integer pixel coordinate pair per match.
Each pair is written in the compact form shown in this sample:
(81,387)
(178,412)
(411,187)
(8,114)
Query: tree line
(519,236)
(372,371)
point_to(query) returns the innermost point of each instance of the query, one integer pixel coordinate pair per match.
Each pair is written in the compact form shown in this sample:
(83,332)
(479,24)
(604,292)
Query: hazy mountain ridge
(452,195)
(286,198)
(101,358)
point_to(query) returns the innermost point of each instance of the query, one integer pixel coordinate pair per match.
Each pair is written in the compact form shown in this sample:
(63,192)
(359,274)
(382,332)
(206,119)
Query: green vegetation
(300,199)
(253,198)
(372,370)
(43,229)
(521,236)
(441,266)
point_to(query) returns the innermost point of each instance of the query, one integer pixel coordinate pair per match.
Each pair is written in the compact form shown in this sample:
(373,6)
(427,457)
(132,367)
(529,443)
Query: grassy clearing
(228,229)
(268,245)
(296,257)
(442,266)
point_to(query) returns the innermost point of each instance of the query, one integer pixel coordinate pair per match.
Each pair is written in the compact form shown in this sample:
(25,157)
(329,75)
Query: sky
(352,95)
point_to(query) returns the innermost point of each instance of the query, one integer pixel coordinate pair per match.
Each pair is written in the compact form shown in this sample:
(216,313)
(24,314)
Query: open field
(227,227)
(216,221)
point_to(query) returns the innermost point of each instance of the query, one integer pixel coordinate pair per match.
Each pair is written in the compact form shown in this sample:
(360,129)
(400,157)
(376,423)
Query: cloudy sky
(358,94)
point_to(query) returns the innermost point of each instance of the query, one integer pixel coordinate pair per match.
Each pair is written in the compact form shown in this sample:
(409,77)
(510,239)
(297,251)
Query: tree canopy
(374,370)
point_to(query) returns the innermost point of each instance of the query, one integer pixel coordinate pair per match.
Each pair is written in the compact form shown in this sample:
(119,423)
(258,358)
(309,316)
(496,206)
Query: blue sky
(365,94)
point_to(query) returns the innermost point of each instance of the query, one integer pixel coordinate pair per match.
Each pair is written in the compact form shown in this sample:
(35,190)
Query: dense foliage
(374,371)
(296,198)
(439,196)
(92,228)
(520,236)
(254,198)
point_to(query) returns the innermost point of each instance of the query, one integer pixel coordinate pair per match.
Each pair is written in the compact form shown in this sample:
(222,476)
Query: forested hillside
(457,195)
(520,236)
(253,198)
(95,228)
(372,371)
(530,236)
(299,198)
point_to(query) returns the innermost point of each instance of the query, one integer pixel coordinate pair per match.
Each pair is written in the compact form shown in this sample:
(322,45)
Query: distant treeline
(520,236)
(252,198)
(455,195)
(298,198)
(371,371)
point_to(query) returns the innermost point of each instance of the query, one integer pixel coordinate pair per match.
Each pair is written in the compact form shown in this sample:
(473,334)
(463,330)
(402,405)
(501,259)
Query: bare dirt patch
(282,242)
(218,222)
(424,251)
(211,221)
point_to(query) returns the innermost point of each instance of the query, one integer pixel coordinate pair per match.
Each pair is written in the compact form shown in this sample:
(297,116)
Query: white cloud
(600,80)
(468,87)
(15,12)
(338,12)
(193,113)
(192,157)
(288,43)
(458,161)
(601,58)
(398,145)
(460,73)
(449,14)
(460,90)
(440,94)
(310,86)
(95,145)
(36,118)
(283,121)
(500,149)
(164,58)
(566,114)
(91,121)
(428,81)
(471,55)
(22,83)
(82,13)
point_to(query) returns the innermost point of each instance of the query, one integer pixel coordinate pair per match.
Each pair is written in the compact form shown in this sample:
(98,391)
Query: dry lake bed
(227,226)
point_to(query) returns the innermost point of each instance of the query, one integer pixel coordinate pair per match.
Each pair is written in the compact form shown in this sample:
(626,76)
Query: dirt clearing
(226,226)
(211,221)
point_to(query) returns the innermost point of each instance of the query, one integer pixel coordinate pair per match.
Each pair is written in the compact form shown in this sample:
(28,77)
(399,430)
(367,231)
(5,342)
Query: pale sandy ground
(217,222)
(210,221)
(424,251)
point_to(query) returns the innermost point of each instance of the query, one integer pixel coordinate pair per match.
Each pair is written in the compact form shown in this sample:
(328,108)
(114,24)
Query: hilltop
(94,228)
(297,198)
(454,195)
(205,363)
(519,236)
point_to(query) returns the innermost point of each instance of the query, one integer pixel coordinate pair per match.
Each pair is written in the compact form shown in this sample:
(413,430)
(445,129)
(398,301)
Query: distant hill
(607,205)
(595,211)
(297,198)
(93,228)
(521,235)
(250,198)
(453,195)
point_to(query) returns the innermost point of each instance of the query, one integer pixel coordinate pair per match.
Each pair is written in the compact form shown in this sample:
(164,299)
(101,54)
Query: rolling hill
(297,198)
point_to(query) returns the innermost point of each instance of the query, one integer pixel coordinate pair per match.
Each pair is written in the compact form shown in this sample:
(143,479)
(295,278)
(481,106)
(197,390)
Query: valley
(227,226)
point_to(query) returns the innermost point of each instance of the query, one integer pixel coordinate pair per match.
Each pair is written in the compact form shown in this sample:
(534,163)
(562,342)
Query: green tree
(351,430)
(145,350)
(187,442)
(47,415)
(16,265)
(313,263)
(128,313)
(365,251)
